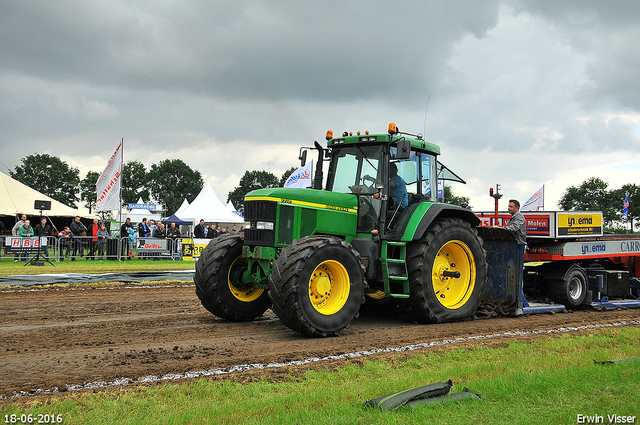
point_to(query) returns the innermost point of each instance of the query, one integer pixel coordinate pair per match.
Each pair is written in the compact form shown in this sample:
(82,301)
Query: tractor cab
(387,172)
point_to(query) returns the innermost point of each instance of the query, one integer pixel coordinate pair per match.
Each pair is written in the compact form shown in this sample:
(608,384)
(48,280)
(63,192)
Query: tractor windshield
(350,164)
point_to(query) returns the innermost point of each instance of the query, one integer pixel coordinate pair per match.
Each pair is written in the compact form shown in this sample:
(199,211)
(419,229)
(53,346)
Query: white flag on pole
(108,184)
(536,202)
(301,177)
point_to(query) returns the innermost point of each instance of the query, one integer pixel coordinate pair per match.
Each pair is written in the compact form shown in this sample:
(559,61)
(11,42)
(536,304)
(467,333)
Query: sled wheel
(219,285)
(317,285)
(571,289)
(447,273)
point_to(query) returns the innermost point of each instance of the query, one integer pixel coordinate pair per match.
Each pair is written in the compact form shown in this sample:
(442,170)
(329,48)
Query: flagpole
(121,180)
(543,197)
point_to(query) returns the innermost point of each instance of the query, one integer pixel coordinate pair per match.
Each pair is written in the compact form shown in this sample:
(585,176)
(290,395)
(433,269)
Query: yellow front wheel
(219,285)
(242,292)
(317,285)
(329,287)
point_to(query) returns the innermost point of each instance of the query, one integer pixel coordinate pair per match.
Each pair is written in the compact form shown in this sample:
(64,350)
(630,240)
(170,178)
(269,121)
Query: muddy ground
(69,338)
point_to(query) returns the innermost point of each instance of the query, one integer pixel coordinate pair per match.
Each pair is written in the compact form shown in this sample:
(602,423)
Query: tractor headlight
(264,225)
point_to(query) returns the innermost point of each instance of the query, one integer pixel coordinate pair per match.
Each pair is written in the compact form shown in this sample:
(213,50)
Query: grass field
(548,381)
(9,268)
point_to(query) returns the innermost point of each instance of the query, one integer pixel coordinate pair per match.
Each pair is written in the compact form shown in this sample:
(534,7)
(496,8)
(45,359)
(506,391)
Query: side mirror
(303,158)
(404,149)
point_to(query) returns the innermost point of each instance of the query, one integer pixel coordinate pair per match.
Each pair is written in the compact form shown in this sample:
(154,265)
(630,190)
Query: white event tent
(17,198)
(184,205)
(207,206)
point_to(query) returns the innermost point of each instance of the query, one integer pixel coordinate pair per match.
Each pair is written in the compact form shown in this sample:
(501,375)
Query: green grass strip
(9,268)
(549,381)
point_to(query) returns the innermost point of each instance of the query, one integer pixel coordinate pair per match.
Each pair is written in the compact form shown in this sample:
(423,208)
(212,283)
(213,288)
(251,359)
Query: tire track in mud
(120,382)
(74,339)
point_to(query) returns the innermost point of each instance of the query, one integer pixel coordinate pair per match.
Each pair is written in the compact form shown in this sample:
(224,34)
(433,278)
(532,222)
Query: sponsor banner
(152,245)
(108,184)
(538,225)
(579,224)
(15,244)
(489,219)
(598,248)
(192,248)
(301,177)
(150,207)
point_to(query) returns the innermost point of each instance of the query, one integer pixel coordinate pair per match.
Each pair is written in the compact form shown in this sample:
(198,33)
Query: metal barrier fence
(59,249)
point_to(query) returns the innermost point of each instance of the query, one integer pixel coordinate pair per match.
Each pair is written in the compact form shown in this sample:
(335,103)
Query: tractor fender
(423,217)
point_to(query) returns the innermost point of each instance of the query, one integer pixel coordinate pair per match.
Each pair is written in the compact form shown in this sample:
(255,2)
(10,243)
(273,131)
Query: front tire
(218,281)
(449,248)
(317,285)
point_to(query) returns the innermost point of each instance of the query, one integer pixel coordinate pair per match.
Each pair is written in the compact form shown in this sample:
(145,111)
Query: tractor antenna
(426,109)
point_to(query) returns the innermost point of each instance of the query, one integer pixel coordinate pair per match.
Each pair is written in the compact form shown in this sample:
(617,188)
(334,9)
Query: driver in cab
(397,185)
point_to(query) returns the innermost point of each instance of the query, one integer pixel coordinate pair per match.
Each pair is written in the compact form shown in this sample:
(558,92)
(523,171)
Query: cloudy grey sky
(522,92)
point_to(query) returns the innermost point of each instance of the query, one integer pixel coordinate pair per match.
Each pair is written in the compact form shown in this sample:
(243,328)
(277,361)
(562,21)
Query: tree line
(168,182)
(171,181)
(593,195)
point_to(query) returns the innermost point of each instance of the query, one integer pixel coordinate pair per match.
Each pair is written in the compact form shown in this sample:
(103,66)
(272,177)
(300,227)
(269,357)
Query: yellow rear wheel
(454,258)
(447,273)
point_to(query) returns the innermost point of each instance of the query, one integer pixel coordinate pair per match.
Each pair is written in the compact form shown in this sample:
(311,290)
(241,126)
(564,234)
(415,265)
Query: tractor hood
(323,199)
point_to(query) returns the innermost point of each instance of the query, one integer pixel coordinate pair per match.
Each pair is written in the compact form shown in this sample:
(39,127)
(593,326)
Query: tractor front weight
(259,264)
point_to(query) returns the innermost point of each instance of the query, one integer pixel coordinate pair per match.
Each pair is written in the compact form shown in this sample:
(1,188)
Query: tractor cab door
(411,181)
(356,169)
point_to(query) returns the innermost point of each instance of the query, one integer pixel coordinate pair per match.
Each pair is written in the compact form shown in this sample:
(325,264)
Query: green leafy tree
(591,195)
(617,198)
(171,181)
(50,176)
(286,175)
(135,182)
(251,180)
(88,191)
(450,198)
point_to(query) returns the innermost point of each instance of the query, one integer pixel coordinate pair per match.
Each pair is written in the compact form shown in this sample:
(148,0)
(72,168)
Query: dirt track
(66,337)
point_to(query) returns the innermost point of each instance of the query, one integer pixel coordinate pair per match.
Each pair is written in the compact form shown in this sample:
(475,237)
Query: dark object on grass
(432,393)
(466,394)
(606,362)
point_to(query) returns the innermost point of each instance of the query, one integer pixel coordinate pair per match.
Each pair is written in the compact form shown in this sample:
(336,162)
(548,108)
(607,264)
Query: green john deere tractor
(376,230)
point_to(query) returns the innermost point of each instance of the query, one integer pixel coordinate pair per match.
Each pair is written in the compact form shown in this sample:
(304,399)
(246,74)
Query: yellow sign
(579,224)
(192,248)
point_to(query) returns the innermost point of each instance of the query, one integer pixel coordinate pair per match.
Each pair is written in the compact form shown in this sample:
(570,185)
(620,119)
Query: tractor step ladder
(401,260)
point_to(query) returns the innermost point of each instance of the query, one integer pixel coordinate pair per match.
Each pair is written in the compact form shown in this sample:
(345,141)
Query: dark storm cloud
(290,49)
(235,86)
(607,30)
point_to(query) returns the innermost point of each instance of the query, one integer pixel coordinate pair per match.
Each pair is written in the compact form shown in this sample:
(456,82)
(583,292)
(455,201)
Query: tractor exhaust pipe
(318,176)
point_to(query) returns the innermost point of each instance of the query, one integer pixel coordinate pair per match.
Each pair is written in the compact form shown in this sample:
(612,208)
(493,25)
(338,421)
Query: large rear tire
(447,273)
(218,281)
(317,285)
